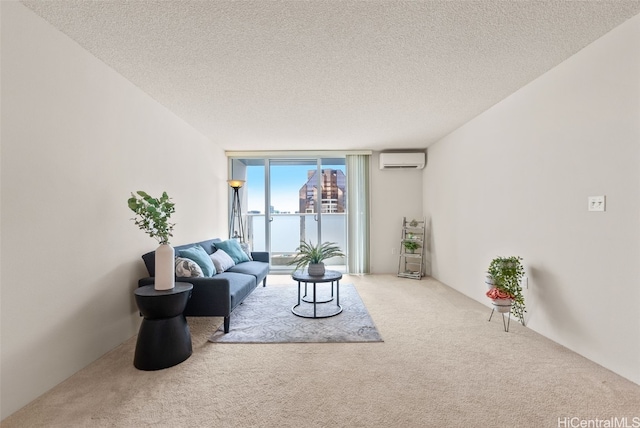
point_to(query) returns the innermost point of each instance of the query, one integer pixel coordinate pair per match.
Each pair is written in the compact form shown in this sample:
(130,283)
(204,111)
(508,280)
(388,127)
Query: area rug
(265,317)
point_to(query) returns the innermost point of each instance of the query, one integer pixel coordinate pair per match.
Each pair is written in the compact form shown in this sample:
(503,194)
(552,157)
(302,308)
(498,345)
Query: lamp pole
(236,212)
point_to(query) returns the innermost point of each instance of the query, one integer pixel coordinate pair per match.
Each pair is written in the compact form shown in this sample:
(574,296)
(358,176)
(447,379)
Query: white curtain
(358,213)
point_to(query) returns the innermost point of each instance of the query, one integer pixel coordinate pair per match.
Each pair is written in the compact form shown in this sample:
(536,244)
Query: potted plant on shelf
(504,279)
(313,256)
(152,217)
(410,246)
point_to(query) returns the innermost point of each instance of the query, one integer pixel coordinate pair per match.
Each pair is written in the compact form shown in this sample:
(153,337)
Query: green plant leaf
(308,253)
(152,215)
(507,273)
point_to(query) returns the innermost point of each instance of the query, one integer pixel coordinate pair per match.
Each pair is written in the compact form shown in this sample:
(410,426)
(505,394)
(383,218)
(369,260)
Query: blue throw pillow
(200,256)
(232,247)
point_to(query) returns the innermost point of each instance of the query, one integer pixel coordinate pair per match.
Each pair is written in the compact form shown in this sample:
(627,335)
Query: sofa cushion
(208,245)
(200,256)
(187,268)
(232,247)
(222,261)
(150,261)
(257,269)
(240,286)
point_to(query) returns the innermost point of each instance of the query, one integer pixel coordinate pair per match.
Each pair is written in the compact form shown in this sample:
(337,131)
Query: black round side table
(164,339)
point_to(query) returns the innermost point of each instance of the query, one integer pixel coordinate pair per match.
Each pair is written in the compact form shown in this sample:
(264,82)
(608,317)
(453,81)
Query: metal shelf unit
(410,263)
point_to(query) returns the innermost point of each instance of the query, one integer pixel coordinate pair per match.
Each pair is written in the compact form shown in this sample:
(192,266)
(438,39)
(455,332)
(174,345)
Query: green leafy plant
(152,215)
(411,245)
(507,274)
(311,254)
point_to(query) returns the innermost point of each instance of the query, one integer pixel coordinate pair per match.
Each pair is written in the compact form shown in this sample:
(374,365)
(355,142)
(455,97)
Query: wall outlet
(597,203)
(393,251)
(524,282)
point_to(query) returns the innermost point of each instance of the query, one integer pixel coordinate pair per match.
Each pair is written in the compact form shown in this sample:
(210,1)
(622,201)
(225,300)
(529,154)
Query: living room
(78,137)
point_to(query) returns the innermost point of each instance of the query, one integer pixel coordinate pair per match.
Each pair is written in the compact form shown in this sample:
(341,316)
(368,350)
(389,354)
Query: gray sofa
(220,294)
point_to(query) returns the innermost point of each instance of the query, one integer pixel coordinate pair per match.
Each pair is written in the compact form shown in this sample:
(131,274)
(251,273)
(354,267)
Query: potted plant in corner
(313,256)
(152,217)
(504,279)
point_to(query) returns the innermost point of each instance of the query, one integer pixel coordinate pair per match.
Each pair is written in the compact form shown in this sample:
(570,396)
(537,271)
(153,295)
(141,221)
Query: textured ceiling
(287,75)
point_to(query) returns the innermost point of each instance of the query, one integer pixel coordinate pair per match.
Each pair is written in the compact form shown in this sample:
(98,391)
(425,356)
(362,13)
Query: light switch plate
(597,203)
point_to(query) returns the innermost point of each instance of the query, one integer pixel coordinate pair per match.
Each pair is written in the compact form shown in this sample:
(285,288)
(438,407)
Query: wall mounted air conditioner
(413,160)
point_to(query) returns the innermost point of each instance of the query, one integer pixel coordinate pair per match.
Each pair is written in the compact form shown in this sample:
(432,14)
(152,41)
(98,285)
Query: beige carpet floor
(442,364)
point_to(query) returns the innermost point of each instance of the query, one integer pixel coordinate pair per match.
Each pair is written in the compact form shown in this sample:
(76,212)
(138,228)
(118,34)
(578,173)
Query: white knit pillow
(222,261)
(246,249)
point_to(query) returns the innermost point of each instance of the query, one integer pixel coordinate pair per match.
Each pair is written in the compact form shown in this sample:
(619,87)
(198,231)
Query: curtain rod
(295,153)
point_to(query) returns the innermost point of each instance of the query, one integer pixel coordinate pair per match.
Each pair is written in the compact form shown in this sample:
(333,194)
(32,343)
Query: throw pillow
(187,268)
(200,256)
(245,248)
(232,248)
(222,261)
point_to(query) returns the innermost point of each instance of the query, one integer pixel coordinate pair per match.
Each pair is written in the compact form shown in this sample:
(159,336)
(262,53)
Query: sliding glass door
(293,200)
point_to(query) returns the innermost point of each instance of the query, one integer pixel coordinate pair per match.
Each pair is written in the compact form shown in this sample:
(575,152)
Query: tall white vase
(165,267)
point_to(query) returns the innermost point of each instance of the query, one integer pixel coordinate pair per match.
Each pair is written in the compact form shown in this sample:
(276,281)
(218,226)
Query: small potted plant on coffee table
(313,256)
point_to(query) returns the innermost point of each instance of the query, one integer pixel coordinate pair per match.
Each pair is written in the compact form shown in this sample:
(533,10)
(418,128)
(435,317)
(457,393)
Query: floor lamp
(236,212)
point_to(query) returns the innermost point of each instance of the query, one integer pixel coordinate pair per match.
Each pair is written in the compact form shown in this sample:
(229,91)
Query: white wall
(395,193)
(77,138)
(515,181)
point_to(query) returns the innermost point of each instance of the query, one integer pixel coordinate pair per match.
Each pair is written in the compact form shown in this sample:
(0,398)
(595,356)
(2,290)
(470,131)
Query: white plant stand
(411,264)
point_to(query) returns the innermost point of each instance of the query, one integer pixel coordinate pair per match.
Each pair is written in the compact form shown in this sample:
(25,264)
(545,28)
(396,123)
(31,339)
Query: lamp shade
(236,184)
